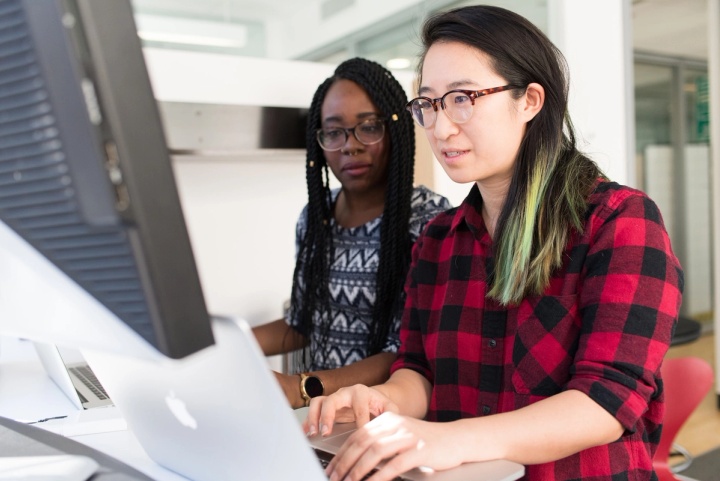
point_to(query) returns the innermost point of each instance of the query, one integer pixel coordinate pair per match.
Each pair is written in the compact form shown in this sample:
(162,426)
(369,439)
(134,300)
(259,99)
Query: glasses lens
(458,106)
(331,139)
(370,132)
(423,112)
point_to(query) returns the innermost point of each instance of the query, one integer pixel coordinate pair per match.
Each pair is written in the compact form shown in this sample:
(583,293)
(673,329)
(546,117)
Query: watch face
(313,386)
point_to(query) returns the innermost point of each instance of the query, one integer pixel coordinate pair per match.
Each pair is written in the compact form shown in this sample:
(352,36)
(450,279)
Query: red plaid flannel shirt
(602,327)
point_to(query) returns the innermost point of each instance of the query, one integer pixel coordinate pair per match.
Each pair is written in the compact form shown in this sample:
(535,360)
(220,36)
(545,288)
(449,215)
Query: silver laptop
(72,374)
(220,414)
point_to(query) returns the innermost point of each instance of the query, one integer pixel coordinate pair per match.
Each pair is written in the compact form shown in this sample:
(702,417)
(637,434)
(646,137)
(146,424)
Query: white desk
(27,394)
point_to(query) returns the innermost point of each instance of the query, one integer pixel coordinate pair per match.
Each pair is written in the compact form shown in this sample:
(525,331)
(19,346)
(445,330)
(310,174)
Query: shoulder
(612,193)
(425,205)
(610,200)
(302,223)
(424,201)
(623,218)
(303,217)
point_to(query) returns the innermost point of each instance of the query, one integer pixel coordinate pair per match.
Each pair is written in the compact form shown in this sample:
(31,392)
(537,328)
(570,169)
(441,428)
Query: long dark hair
(310,299)
(552,180)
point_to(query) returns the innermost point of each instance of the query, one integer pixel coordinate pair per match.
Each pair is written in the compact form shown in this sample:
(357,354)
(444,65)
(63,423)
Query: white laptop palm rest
(219,414)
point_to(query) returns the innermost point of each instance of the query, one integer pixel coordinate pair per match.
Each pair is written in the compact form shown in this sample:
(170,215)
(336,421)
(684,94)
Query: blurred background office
(644,78)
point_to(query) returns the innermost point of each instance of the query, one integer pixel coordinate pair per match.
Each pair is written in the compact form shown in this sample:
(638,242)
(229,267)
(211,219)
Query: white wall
(240,209)
(179,76)
(595,37)
(241,217)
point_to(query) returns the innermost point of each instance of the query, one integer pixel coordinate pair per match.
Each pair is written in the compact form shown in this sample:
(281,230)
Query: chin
(458,176)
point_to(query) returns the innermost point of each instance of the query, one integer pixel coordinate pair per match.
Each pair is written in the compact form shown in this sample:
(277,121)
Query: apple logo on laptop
(179,409)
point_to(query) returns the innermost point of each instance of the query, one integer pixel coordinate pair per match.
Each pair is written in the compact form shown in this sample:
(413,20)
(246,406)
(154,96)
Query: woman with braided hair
(353,242)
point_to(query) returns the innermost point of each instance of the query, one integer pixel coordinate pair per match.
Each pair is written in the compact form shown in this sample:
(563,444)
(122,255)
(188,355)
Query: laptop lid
(216,414)
(220,414)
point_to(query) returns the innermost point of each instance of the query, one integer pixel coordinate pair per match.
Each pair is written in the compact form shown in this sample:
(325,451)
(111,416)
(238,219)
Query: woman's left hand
(404,443)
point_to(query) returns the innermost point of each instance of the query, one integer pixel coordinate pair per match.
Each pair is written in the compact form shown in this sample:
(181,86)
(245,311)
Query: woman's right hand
(356,403)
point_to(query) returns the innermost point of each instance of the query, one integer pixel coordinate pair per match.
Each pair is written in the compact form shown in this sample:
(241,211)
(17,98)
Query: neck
(352,210)
(493,201)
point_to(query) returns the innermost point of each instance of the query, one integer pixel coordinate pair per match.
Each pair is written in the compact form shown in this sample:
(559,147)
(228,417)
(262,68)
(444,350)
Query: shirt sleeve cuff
(623,403)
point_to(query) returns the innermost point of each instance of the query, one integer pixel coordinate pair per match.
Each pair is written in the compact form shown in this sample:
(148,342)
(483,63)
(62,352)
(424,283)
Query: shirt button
(486,410)
(492,343)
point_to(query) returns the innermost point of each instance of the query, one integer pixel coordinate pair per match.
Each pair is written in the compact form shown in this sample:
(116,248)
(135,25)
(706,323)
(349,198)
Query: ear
(534,99)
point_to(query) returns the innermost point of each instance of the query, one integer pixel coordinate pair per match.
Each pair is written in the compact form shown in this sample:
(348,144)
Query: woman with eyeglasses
(538,312)
(353,242)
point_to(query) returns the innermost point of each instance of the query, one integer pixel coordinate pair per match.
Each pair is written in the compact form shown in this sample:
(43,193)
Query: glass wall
(673,154)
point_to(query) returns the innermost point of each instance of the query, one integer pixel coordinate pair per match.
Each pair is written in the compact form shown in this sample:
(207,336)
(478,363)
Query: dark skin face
(361,169)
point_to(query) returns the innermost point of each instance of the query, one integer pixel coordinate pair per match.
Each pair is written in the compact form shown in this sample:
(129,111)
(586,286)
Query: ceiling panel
(667,27)
(671,27)
(224,10)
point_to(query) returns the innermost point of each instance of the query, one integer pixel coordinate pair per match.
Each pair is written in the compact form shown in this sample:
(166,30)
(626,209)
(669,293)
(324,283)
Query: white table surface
(27,394)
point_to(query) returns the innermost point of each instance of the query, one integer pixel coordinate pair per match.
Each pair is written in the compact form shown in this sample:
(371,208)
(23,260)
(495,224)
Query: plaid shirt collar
(469,215)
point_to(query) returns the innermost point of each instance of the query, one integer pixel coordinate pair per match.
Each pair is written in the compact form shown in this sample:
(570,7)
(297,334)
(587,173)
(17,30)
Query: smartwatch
(310,387)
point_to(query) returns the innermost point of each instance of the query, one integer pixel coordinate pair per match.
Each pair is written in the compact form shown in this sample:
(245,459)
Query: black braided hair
(311,276)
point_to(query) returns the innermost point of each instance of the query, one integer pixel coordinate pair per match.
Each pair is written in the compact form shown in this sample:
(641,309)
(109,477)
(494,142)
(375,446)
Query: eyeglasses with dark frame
(457,105)
(368,132)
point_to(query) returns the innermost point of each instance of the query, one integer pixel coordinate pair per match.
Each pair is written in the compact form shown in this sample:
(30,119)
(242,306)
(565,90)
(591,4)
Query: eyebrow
(360,116)
(451,86)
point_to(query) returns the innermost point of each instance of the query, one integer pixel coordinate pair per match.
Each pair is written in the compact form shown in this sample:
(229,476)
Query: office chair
(687,380)
(686,330)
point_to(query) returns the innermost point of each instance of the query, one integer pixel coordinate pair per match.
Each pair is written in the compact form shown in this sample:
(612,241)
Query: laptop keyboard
(324,457)
(85,374)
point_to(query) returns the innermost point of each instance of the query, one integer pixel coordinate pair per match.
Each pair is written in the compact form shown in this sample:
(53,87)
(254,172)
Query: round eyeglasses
(367,132)
(457,104)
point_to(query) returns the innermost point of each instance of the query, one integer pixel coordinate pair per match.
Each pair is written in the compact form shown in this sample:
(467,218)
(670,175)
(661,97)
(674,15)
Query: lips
(453,153)
(356,168)
(451,156)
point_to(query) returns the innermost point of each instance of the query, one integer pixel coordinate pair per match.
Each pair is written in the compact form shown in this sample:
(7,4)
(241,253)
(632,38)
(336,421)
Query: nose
(352,145)
(443,127)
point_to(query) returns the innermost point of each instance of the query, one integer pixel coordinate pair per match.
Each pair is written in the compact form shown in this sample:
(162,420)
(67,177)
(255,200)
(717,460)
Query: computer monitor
(94,250)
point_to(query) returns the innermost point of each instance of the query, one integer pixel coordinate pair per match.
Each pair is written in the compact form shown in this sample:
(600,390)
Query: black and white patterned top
(352,283)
